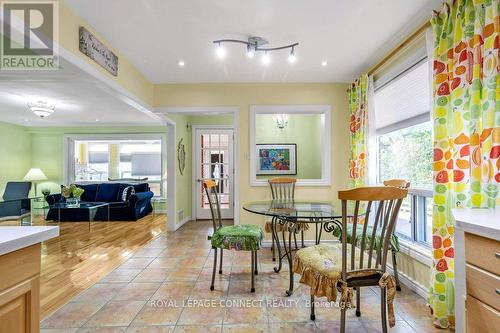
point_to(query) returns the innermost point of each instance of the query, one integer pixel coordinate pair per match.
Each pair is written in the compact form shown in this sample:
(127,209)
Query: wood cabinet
(19,290)
(477,270)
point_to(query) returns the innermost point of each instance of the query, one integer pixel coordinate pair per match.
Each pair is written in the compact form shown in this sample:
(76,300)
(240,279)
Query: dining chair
(242,237)
(354,264)
(283,188)
(400,183)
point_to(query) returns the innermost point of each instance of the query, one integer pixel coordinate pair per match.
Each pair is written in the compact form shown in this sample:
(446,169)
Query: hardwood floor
(78,258)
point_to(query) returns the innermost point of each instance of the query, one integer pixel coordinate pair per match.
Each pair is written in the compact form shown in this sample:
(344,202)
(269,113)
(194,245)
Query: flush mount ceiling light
(254,45)
(41,108)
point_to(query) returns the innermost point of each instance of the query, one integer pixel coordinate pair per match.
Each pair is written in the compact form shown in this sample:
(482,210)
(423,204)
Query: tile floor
(164,287)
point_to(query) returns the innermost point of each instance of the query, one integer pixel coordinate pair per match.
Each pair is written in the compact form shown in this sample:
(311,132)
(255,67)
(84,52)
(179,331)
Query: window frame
(69,150)
(418,195)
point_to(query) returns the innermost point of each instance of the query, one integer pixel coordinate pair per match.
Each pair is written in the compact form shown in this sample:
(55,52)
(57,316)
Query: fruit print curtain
(466,115)
(358,102)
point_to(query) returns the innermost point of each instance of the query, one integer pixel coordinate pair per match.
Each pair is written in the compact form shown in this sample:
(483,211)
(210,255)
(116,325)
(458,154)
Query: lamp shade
(35,174)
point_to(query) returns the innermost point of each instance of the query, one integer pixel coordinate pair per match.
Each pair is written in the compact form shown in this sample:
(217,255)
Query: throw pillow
(127,192)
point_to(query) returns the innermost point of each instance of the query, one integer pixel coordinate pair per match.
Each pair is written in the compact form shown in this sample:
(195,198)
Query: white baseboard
(161,211)
(181,223)
(410,283)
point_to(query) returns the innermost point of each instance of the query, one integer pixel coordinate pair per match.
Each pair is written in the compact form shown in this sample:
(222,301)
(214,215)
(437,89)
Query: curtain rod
(401,46)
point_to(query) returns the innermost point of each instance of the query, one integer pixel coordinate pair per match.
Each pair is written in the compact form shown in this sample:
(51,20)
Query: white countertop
(479,221)
(15,238)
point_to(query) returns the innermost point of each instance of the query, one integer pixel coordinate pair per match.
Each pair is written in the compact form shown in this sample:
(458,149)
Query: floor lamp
(35,175)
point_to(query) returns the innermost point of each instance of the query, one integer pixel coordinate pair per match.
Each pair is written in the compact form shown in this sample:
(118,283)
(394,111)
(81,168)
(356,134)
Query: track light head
(220,51)
(292,58)
(266,59)
(250,51)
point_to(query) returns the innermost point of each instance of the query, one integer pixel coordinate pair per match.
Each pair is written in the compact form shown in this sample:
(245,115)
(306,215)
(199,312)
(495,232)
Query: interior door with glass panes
(214,160)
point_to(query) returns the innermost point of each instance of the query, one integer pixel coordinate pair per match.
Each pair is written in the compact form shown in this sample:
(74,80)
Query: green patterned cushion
(369,229)
(246,237)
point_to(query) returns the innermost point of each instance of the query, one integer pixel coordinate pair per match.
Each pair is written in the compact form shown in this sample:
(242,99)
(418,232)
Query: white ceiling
(351,35)
(78,98)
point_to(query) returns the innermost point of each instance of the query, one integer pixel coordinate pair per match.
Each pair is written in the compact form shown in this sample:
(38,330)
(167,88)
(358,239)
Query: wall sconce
(281,120)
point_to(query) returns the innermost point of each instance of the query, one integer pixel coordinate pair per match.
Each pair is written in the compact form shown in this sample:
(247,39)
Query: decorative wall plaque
(97,51)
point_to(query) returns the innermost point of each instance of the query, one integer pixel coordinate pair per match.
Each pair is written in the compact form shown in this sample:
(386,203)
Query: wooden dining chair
(242,237)
(282,188)
(354,264)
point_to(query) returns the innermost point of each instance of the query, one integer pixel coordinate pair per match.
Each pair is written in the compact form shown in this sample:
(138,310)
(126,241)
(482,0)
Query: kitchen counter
(15,238)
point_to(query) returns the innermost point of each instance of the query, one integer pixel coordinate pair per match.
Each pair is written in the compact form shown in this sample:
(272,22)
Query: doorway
(213,160)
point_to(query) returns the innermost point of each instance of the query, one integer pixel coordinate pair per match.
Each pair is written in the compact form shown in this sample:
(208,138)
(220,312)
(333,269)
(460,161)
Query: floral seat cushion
(369,230)
(246,237)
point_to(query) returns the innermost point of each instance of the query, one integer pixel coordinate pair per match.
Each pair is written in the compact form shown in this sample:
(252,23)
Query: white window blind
(404,101)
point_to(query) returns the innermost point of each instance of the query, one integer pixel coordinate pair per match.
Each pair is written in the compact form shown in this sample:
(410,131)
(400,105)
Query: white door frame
(194,165)
(207,110)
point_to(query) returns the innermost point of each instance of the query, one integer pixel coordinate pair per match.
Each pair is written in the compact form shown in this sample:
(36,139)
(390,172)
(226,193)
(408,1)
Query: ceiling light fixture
(181,63)
(281,120)
(266,59)
(324,63)
(254,45)
(292,58)
(41,108)
(220,51)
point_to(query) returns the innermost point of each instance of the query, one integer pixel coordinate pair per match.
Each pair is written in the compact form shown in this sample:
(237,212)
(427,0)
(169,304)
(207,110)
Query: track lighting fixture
(254,45)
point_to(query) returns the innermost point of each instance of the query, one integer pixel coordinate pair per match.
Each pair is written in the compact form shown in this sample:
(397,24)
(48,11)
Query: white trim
(209,110)
(181,223)
(196,110)
(415,251)
(410,283)
(423,192)
(194,166)
(326,171)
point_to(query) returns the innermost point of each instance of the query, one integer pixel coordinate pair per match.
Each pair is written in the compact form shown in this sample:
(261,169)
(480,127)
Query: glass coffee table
(90,207)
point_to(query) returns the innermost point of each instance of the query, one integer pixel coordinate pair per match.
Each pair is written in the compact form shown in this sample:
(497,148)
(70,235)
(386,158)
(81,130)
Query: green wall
(15,153)
(304,131)
(184,183)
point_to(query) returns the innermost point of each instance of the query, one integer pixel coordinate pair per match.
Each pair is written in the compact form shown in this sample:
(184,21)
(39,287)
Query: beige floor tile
(146,252)
(71,315)
(157,313)
(115,313)
(152,275)
(292,327)
(137,292)
(184,274)
(58,330)
(150,329)
(351,327)
(174,290)
(198,329)
(255,313)
(245,328)
(100,292)
(202,316)
(101,330)
(121,275)
(376,327)
(136,263)
(164,262)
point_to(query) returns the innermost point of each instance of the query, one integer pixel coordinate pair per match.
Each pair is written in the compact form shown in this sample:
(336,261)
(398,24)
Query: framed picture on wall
(276,159)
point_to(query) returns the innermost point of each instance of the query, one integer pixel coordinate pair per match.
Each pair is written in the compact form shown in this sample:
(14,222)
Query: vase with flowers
(72,194)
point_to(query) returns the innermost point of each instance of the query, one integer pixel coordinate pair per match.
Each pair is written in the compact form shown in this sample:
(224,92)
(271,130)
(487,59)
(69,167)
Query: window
(95,159)
(404,145)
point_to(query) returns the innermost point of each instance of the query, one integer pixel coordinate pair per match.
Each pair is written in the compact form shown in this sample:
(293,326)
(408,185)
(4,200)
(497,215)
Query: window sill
(416,251)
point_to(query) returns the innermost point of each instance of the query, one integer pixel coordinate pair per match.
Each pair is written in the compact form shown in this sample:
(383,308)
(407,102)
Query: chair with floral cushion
(329,269)
(246,237)
(400,183)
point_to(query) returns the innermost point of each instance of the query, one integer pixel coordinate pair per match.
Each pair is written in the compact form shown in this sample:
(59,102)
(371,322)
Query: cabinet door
(19,308)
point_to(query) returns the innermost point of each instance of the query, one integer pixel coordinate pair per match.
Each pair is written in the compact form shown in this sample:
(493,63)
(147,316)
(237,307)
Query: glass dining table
(287,215)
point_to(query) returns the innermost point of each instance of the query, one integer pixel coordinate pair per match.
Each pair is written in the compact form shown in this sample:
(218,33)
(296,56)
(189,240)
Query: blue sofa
(137,206)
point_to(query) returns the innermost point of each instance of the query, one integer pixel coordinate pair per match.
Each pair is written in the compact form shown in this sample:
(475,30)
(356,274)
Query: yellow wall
(128,77)
(242,96)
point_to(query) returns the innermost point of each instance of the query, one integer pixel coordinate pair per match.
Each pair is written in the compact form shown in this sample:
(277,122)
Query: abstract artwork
(276,159)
